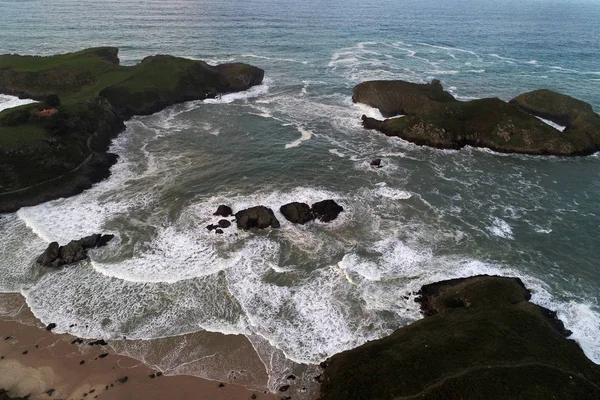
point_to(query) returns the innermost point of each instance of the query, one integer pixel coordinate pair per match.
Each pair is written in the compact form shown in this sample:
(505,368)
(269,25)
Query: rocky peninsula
(59,146)
(428,115)
(480,338)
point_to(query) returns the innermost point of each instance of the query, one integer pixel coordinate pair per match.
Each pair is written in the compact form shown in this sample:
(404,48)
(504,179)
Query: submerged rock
(256,217)
(432,117)
(298,213)
(326,210)
(376,163)
(481,338)
(56,256)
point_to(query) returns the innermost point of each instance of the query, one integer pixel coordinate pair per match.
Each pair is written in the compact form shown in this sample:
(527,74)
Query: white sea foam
(392,193)
(337,153)
(552,124)
(254,91)
(7,102)
(292,60)
(305,135)
(500,228)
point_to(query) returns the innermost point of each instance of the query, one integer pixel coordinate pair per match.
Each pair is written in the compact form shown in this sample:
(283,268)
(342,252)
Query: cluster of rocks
(262,217)
(56,256)
(223,211)
(301,213)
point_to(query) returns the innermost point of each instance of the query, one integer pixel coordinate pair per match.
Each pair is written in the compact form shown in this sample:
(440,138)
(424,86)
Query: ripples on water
(303,293)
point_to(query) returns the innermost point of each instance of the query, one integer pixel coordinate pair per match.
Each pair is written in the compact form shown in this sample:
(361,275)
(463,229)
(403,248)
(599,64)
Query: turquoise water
(303,293)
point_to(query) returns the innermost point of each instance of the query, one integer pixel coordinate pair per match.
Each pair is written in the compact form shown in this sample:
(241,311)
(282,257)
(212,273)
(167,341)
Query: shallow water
(302,293)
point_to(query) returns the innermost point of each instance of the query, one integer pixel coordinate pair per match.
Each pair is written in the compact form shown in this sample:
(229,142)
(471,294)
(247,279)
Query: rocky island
(59,146)
(428,115)
(481,338)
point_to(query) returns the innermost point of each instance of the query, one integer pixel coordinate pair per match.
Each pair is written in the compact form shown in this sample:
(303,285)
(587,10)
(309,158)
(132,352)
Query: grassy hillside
(84,97)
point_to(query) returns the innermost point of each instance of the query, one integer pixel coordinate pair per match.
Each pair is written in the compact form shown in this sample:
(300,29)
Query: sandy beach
(39,363)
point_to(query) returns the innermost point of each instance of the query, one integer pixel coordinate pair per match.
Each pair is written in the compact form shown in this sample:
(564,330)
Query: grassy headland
(57,147)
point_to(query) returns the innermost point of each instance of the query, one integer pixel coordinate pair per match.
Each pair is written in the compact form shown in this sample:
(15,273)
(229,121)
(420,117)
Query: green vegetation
(434,118)
(84,97)
(482,339)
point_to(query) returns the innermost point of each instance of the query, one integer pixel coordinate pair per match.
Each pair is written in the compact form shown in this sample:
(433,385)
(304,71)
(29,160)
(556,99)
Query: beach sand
(45,365)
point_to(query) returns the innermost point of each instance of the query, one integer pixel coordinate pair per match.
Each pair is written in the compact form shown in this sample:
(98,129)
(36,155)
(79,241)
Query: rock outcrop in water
(432,117)
(326,210)
(59,147)
(301,213)
(259,217)
(481,338)
(297,213)
(76,250)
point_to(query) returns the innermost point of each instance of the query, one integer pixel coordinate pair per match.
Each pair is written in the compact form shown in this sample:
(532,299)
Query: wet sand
(45,365)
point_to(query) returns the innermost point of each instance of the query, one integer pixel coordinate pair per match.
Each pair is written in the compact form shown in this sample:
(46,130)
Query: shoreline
(42,364)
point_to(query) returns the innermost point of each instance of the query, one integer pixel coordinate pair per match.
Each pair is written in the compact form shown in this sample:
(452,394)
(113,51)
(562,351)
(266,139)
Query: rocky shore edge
(481,338)
(426,114)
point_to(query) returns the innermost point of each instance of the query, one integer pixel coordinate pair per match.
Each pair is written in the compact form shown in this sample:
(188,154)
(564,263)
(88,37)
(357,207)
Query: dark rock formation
(433,118)
(298,213)
(326,210)
(256,217)
(50,326)
(56,256)
(376,163)
(223,223)
(147,92)
(4,396)
(481,338)
(223,211)
(399,97)
(100,342)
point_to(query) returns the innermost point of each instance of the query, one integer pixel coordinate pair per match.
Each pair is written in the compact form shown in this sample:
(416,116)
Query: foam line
(7,102)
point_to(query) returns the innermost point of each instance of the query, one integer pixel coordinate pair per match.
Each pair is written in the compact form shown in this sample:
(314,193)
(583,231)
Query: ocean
(285,300)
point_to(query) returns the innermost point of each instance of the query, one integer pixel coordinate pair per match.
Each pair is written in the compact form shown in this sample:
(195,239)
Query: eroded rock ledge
(59,146)
(481,339)
(433,117)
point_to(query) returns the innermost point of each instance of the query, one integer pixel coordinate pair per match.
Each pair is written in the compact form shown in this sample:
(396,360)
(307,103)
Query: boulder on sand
(298,213)
(259,217)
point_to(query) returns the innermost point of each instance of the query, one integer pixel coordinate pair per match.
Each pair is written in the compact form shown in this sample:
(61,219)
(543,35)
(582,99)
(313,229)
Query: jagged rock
(256,217)
(49,255)
(481,338)
(298,213)
(326,210)
(219,231)
(50,326)
(223,211)
(76,250)
(211,227)
(393,98)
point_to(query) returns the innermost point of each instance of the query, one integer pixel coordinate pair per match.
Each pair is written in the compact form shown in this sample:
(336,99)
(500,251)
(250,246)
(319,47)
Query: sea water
(302,293)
